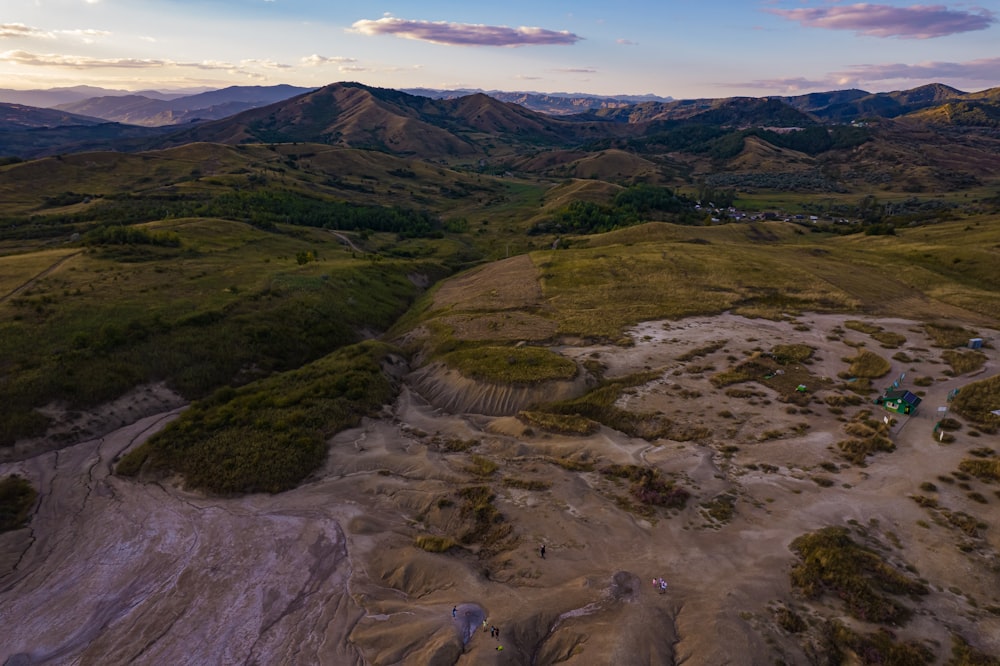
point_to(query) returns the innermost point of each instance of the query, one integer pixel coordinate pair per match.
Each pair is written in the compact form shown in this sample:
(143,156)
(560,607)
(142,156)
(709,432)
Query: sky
(672,48)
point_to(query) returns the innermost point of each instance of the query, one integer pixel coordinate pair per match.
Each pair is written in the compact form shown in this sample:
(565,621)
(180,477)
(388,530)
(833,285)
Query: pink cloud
(983,69)
(463,34)
(964,75)
(914,22)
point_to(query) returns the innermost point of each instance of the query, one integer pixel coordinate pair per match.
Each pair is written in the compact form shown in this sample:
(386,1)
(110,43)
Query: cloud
(316,60)
(984,70)
(11,30)
(84,62)
(626,42)
(86,36)
(577,70)
(264,64)
(463,34)
(914,22)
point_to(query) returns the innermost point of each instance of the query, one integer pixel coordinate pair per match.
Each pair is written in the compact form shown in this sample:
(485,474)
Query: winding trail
(17,290)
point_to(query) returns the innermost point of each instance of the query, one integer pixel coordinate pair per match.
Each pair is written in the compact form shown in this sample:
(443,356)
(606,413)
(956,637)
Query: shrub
(720,508)
(482,466)
(868,365)
(435,544)
(985,470)
(567,424)
(17,496)
(948,335)
(830,561)
(649,487)
(963,362)
(976,401)
(269,435)
(789,620)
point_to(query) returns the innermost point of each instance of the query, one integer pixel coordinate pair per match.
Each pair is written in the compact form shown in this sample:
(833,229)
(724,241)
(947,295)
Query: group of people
(659,583)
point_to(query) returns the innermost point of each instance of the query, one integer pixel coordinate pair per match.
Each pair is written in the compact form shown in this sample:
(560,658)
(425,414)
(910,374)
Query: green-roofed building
(899,401)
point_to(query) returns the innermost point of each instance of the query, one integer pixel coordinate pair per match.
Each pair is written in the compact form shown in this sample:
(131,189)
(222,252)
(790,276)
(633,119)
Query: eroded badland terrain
(243,433)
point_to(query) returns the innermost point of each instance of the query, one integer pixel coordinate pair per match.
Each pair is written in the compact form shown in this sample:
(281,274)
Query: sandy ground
(112,571)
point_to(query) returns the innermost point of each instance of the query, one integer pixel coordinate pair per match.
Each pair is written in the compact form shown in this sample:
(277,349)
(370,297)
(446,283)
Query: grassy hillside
(231,303)
(606,283)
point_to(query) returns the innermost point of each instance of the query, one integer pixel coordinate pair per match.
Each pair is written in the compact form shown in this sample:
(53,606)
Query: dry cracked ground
(114,571)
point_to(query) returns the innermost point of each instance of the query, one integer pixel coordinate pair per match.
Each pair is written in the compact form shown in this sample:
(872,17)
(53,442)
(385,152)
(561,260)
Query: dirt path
(17,290)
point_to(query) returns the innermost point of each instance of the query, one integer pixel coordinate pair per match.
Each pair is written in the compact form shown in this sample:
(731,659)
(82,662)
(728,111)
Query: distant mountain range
(932,136)
(154,109)
(555,104)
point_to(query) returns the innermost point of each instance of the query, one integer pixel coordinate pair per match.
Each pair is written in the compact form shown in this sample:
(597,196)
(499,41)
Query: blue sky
(677,48)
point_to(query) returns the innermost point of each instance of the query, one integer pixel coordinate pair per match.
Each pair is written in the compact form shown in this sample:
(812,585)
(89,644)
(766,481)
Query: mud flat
(115,571)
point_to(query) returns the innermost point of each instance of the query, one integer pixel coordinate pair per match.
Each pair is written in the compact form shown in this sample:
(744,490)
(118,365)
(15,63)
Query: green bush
(269,435)
(511,365)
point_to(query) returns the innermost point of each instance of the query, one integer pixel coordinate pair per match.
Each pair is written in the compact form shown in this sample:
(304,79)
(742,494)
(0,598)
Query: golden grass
(976,402)
(888,339)
(868,365)
(566,424)
(963,362)
(948,335)
(434,544)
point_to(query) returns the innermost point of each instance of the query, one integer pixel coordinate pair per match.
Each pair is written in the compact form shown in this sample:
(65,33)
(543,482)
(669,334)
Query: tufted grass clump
(964,361)
(484,524)
(868,365)
(832,562)
(948,335)
(434,544)
(649,487)
(987,470)
(564,424)
(976,401)
(482,466)
(888,339)
(868,437)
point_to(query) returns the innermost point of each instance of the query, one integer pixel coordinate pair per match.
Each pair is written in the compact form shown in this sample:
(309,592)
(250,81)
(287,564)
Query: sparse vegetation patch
(831,561)
(948,335)
(977,401)
(511,365)
(269,435)
(965,361)
(648,487)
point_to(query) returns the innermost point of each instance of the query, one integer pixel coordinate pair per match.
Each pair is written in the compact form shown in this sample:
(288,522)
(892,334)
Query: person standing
(542,551)
(454,611)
